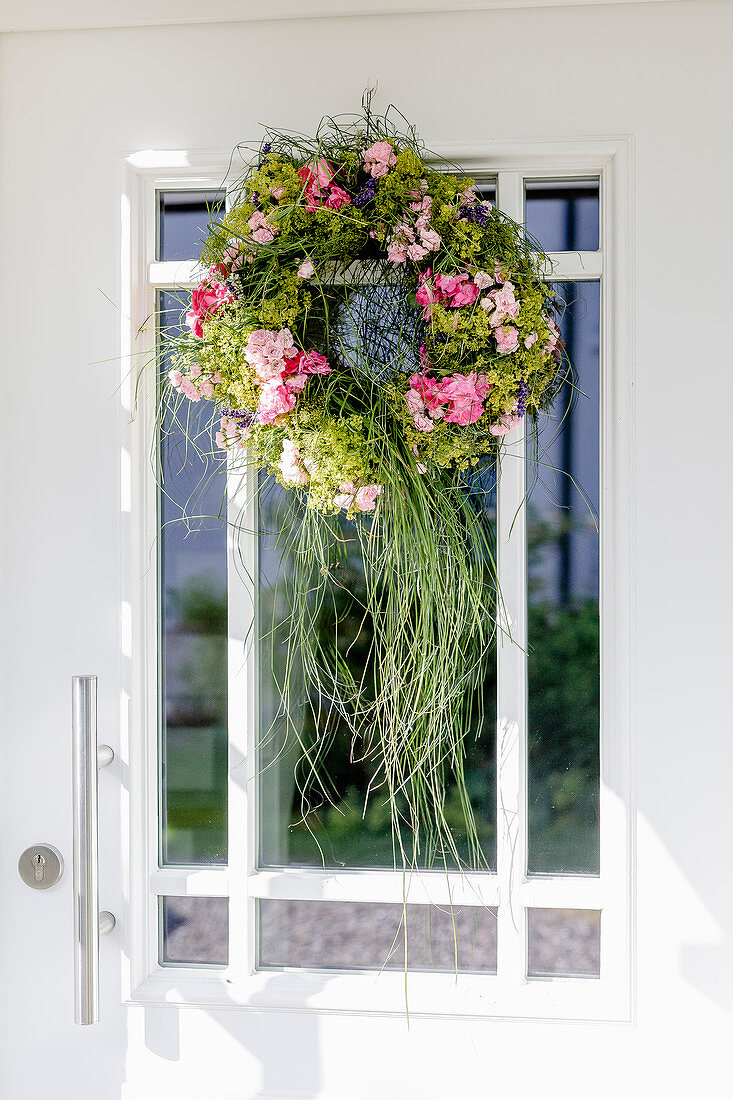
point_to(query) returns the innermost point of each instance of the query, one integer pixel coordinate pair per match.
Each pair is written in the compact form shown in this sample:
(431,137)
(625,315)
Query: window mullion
(511,734)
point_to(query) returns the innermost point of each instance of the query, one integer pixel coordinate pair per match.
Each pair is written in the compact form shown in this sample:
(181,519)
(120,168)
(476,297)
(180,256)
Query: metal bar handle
(89,923)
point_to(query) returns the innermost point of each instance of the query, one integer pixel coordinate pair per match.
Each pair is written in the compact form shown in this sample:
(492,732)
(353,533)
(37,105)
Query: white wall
(71,103)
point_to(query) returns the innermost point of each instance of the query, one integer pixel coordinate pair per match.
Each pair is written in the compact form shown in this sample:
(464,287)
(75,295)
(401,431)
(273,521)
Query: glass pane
(563,215)
(336,935)
(182,220)
(194,931)
(354,828)
(563,620)
(487,189)
(563,943)
(193,631)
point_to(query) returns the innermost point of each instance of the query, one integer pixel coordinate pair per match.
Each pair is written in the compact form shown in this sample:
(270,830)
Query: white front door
(242,964)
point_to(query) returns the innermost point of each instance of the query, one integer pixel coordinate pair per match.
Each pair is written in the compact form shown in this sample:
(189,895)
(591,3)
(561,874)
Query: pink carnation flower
(290,464)
(505,424)
(379,158)
(275,400)
(189,389)
(507,339)
(306,270)
(482,279)
(430,239)
(366,497)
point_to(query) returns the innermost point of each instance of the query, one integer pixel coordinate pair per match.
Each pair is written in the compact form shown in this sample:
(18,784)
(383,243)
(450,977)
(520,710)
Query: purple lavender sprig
(243,417)
(477,214)
(234,287)
(367,192)
(522,395)
(265,151)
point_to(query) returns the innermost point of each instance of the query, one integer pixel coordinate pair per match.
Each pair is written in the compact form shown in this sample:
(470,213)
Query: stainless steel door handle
(89,923)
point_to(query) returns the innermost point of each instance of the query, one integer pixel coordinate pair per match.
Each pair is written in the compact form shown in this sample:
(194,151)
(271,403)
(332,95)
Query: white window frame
(509,993)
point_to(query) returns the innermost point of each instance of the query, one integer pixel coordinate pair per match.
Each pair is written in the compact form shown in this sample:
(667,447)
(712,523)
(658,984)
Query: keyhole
(40,863)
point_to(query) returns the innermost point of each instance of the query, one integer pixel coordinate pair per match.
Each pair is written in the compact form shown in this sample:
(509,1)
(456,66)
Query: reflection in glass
(194,931)
(563,943)
(182,220)
(350,824)
(563,618)
(193,630)
(335,935)
(563,215)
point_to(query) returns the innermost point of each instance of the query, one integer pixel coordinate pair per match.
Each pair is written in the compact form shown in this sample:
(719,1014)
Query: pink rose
(425,297)
(366,497)
(316,176)
(430,391)
(206,298)
(465,392)
(296,382)
(507,339)
(337,198)
(466,295)
(309,362)
(449,284)
(505,302)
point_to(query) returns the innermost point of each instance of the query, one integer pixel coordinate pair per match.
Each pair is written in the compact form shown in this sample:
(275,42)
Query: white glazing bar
(242,713)
(576,267)
(169,274)
(191,882)
(426,888)
(511,733)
